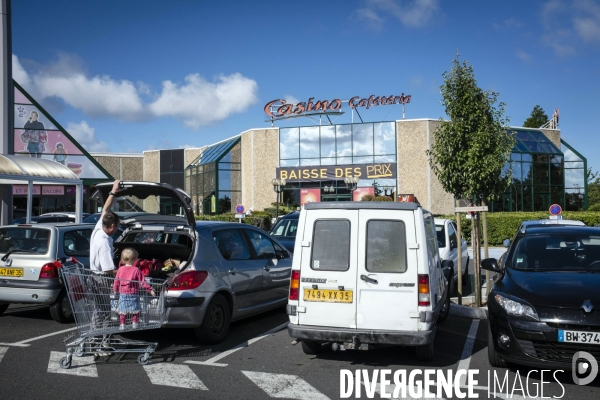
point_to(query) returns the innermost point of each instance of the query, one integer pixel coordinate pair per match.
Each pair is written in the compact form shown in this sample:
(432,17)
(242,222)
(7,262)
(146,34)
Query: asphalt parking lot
(256,361)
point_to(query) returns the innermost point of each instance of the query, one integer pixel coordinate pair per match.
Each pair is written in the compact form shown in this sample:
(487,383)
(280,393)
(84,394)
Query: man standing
(101,260)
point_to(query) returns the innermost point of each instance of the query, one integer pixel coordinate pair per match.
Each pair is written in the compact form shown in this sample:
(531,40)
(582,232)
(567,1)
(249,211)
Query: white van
(366,273)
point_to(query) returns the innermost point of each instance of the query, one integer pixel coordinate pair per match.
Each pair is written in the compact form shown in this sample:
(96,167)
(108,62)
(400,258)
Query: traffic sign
(470,209)
(239,209)
(555,209)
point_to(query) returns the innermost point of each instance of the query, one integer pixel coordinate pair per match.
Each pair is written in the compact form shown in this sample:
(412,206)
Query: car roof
(50,224)
(542,229)
(292,215)
(441,220)
(549,221)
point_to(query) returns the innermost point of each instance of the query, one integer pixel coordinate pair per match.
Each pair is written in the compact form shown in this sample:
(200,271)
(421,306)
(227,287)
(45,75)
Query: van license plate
(328,296)
(578,337)
(18,272)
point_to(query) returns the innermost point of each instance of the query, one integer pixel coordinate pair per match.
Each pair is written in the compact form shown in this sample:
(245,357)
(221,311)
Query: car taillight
(295,285)
(49,271)
(188,280)
(424,296)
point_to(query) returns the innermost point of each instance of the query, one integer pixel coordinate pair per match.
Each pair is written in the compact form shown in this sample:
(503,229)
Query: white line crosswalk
(176,375)
(284,386)
(80,366)
(3,352)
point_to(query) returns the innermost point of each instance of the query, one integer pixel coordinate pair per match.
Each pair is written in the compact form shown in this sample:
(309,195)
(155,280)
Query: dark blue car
(285,230)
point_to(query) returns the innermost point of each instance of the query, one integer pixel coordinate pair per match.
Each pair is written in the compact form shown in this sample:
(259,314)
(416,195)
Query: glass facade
(214,179)
(575,179)
(543,175)
(365,143)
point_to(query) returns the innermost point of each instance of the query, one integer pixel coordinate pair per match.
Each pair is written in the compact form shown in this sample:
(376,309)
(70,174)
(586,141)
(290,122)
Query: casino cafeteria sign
(337,172)
(282,108)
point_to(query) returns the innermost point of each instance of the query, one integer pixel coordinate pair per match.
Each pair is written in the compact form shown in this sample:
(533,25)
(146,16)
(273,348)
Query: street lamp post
(278,185)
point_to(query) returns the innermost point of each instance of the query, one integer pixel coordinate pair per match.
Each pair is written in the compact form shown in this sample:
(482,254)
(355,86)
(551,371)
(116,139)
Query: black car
(285,230)
(542,306)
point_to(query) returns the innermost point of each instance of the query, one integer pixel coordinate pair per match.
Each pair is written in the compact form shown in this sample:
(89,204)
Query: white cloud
(524,56)
(568,25)
(86,136)
(411,13)
(199,102)
(195,103)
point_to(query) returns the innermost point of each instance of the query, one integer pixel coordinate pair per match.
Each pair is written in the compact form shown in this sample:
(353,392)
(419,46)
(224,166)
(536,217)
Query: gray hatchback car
(216,272)
(28,274)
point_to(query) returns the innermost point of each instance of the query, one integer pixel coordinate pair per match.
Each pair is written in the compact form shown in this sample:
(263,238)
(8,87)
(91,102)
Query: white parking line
(212,361)
(176,375)
(285,386)
(80,366)
(3,352)
(23,343)
(465,358)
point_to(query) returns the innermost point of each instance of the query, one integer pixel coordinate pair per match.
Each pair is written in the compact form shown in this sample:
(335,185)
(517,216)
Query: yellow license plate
(328,296)
(18,272)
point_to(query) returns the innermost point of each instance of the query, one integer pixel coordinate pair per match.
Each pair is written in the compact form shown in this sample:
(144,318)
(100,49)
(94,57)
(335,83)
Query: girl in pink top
(127,283)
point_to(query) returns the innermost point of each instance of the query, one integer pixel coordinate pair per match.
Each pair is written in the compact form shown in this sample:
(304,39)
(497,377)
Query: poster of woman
(35,135)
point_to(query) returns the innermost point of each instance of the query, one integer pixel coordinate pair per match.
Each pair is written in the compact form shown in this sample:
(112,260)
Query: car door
(452,246)
(244,273)
(387,271)
(275,264)
(328,249)
(76,243)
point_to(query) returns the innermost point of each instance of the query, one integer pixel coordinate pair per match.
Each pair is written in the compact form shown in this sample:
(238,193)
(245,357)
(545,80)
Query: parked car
(45,219)
(93,218)
(448,247)
(28,274)
(217,272)
(549,222)
(285,230)
(541,306)
(369,273)
(64,213)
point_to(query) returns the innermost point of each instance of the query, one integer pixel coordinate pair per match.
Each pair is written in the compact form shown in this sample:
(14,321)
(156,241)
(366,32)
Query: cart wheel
(65,363)
(144,359)
(80,350)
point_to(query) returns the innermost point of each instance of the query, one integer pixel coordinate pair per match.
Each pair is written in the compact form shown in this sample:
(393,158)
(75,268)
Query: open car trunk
(165,252)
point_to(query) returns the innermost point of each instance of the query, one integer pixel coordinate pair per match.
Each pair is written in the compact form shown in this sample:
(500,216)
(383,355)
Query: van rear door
(387,287)
(328,268)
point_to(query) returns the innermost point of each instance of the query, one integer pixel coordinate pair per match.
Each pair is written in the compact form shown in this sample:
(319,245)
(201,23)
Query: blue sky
(129,76)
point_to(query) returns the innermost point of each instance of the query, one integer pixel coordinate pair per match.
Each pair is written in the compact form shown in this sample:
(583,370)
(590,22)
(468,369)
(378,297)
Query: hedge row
(259,219)
(502,225)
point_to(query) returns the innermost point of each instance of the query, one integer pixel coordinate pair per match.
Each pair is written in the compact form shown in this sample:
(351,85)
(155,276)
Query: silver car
(28,274)
(217,272)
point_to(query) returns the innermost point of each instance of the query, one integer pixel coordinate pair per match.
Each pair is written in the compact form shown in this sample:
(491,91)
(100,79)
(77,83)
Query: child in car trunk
(127,283)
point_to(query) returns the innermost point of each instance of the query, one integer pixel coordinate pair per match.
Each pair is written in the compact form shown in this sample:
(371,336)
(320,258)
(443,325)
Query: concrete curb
(469,312)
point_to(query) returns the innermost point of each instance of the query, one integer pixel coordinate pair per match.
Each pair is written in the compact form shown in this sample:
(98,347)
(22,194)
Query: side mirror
(491,264)
(506,243)
(447,264)
(282,254)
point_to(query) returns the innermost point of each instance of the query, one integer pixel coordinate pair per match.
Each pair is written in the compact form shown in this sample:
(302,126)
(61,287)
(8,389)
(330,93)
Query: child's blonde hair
(128,256)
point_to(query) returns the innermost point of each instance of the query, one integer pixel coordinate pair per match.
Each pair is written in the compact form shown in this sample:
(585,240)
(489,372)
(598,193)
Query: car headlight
(515,308)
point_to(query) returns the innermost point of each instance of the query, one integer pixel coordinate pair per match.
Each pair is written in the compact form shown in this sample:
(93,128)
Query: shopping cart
(94,307)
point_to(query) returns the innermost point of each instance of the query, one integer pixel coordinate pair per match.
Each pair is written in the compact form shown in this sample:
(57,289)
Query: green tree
(593,182)
(470,153)
(537,118)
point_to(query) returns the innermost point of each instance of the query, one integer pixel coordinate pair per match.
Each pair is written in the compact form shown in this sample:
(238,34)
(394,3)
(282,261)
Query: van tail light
(424,293)
(49,271)
(295,285)
(188,280)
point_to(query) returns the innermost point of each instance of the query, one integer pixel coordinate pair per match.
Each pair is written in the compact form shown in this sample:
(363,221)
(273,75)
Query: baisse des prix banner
(337,172)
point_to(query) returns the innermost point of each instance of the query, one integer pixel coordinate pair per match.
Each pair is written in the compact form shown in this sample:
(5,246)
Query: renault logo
(587,306)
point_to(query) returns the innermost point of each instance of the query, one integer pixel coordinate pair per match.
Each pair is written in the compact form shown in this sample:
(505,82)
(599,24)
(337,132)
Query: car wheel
(445,311)
(61,310)
(311,348)
(425,352)
(3,307)
(495,360)
(215,325)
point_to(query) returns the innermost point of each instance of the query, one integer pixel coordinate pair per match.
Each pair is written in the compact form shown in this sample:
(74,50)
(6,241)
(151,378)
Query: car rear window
(24,239)
(331,245)
(386,246)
